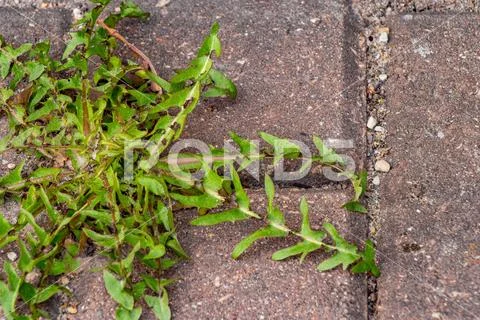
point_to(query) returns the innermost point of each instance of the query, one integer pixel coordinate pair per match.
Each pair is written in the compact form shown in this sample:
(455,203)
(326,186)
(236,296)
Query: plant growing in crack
(77,117)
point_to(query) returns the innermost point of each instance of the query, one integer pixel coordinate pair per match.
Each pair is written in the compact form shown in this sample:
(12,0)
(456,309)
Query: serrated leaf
(328,155)
(346,252)
(164,84)
(211,43)
(282,147)
(51,212)
(18,72)
(367,264)
(269,190)
(41,233)
(132,10)
(198,67)
(159,305)
(274,215)
(115,289)
(142,98)
(5,62)
(240,195)
(177,99)
(337,259)
(14,280)
(359,183)
(247,147)
(212,182)
(222,83)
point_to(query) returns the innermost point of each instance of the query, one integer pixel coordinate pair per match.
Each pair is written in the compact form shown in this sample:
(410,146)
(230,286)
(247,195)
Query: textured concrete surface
(430,218)
(30,25)
(290,62)
(213,286)
(296,65)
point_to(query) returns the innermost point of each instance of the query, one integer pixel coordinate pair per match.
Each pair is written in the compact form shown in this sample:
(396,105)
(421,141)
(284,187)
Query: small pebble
(216,282)
(382,166)
(72,310)
(383,77)
(64,281)
(440,134)
(376,180)
(314,20)
(77,14)
(11,165)
(12,256)
(371,123)
(383,38)
(379,129)
(33,277)
(162,3)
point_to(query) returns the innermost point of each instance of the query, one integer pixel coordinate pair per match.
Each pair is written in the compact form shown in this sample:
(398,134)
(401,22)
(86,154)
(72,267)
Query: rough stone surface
(296,78)
(382,166)
(213,286)
(35,25)
(430,218)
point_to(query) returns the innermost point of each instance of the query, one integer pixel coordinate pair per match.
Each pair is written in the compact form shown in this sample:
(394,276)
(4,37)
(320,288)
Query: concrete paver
(429,238)
(213,286)
(296,65)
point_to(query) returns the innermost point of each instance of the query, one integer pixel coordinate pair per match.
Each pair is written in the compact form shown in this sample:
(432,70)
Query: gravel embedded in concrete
(430,218)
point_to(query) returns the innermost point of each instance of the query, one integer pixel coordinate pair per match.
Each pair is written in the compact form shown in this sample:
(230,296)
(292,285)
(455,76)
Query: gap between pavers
(428,244)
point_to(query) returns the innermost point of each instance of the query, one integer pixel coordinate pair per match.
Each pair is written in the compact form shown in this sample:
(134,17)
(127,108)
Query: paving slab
(296,65)
(429,238)
(213,286)
(32,25)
